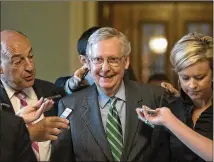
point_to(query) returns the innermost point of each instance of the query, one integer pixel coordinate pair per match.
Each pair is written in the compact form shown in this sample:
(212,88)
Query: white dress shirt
(31,99)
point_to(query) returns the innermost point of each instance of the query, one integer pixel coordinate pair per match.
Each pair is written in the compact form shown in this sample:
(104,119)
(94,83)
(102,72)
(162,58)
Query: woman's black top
(182,108)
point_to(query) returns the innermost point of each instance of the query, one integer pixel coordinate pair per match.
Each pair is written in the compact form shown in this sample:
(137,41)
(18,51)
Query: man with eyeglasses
(103,124)
(82,78)
(19,88)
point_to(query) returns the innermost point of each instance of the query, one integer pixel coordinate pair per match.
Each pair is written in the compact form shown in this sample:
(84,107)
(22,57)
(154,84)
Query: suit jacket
(15,144)
(87,141)
(42,89)
(60,82)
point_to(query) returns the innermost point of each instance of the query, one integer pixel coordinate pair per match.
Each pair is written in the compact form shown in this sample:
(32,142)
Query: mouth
(106,77)
(29,78)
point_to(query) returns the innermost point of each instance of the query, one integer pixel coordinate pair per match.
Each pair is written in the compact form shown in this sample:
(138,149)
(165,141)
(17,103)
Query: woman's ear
(1,70)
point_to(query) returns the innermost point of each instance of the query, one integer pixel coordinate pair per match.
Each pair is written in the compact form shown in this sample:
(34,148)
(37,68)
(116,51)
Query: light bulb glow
(158,45)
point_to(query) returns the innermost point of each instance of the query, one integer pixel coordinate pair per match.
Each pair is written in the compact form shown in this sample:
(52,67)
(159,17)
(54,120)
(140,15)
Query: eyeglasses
(112,61)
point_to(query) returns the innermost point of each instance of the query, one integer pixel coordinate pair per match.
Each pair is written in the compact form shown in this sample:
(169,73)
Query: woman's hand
(32,113)
(163,115)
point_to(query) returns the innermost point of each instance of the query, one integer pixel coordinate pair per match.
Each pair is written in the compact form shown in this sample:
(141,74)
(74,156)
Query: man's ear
(82,59)
(127,62)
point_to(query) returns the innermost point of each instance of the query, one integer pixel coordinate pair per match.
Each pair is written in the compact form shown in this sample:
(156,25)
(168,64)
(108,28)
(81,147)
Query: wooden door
(170,20)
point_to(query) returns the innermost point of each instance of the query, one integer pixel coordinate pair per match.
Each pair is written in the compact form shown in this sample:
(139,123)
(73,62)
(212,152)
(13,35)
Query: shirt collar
(10,91)
(89,78)
(103,99)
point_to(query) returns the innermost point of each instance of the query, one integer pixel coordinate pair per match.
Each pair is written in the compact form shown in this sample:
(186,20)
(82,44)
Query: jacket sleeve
(62,148)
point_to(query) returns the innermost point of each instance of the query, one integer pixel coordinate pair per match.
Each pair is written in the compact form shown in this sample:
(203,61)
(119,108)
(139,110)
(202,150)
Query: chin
(105,86)
(29,84)
(193,97)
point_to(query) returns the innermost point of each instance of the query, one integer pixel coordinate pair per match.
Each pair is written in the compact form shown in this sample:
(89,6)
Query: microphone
(3,105)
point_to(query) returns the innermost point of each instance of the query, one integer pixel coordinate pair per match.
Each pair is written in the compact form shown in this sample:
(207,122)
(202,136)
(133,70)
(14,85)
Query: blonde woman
(189,118)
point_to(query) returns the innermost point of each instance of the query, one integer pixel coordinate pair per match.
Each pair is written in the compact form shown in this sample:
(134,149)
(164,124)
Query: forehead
(107,48)
(202,67)
(15,42)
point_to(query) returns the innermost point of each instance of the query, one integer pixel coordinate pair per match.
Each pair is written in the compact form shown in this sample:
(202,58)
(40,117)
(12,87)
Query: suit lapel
(5,99)
(92,117)
(38,90)
(132,102)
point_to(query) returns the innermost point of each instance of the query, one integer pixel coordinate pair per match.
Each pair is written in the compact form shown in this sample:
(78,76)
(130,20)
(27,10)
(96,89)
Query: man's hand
(32,113)
(77,80)
(169,88)
(47,129)
(80,73)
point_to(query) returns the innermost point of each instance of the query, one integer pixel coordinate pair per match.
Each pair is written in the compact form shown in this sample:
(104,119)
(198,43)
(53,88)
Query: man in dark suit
(18,78)
(104,124)
(15,142)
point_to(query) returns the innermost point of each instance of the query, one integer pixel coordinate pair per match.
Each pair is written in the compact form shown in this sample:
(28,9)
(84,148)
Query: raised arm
(199,144)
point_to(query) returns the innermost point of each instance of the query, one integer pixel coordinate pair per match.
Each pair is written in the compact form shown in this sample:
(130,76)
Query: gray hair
(107,33)
(190,49)
(3,50)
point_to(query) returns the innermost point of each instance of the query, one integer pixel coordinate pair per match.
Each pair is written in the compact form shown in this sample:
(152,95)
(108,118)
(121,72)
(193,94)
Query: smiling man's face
(107,77)
(17,62)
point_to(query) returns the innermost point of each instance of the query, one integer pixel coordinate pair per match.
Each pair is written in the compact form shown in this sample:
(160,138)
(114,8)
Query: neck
(202,103)
(108,92)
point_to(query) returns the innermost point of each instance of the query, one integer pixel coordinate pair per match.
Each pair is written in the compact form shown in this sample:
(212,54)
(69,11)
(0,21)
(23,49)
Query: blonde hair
(190,49)
(107,33)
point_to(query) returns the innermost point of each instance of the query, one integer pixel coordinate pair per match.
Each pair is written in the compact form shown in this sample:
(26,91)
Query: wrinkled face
(196,80)
(17,64)
(107,77)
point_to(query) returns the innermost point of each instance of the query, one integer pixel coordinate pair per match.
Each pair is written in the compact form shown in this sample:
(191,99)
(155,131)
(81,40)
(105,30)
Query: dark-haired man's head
(83,40)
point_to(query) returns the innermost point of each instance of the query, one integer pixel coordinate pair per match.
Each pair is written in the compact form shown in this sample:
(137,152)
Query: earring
(1,70)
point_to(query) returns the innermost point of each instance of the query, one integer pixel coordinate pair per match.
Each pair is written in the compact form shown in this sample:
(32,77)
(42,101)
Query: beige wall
(53,29)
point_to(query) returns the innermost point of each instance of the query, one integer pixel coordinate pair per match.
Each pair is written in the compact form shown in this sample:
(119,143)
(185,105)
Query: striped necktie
(22,98)
(114,131)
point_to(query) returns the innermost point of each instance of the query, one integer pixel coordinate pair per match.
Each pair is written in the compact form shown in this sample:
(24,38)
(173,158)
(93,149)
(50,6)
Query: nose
(105,66)
(193,84)
(29,64)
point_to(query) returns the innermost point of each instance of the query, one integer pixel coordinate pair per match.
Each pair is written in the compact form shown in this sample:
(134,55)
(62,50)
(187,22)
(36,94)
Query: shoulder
(47,86)
(145,88)
(78,96)
(39,82)
(156,96)
(61,81)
